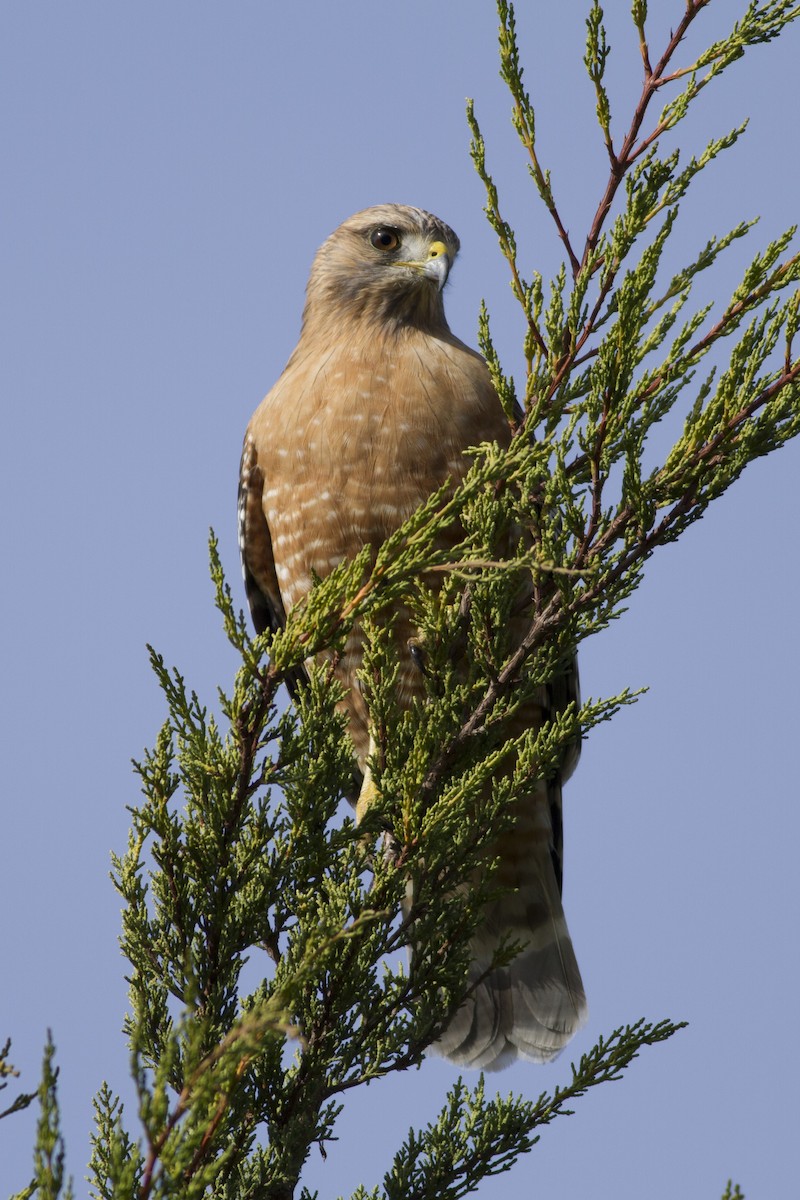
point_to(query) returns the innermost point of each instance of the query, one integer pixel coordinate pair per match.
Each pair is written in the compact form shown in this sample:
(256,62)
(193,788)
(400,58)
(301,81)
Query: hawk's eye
(385,239)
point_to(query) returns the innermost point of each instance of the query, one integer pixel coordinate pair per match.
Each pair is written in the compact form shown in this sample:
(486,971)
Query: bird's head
(389,264)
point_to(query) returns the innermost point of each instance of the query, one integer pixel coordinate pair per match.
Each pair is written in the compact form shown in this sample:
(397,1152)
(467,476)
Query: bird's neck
(383,313)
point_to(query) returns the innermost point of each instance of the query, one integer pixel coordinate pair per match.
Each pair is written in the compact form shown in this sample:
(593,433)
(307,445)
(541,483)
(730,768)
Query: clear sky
(168,172)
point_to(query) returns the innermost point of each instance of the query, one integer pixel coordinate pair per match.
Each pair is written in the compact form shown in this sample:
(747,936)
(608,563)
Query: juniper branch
(238,847)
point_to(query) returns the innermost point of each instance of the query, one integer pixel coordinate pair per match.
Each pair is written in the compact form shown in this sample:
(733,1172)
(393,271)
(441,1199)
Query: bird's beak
(436,265)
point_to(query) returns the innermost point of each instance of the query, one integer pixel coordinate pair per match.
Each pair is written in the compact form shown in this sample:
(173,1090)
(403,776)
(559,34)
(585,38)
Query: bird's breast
(356,449)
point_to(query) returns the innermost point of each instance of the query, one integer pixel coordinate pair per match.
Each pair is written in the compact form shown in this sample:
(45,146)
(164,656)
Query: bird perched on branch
(373,413)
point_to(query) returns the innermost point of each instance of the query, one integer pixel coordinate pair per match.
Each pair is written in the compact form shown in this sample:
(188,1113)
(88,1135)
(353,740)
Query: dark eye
(385,239)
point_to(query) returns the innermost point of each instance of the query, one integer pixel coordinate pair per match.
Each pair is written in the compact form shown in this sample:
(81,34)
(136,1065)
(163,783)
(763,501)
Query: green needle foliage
(48,1180)
(7,1072)
(242,853)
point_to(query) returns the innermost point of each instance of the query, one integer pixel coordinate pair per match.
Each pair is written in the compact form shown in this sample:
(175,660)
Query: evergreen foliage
(242,850)
(7,1072)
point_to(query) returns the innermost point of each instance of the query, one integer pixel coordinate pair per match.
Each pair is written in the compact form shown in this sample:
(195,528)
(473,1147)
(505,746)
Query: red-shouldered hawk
(372,413)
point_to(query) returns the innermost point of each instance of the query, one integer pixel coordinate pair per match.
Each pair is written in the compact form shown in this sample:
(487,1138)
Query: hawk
(373,412)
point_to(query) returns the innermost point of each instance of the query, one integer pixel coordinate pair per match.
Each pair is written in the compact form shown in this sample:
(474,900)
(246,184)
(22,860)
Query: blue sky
(169,171)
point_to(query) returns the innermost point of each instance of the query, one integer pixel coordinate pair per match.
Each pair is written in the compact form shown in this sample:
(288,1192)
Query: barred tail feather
(531,1008)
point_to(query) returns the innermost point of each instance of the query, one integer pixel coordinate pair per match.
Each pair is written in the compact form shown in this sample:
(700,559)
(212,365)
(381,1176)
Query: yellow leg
(368,792)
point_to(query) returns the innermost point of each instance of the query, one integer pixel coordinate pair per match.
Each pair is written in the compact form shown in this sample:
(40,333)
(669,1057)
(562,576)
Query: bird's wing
(563,690)
(258,562)
(255,546)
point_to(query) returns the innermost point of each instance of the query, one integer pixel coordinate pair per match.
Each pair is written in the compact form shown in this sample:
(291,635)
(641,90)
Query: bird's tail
(531,1008)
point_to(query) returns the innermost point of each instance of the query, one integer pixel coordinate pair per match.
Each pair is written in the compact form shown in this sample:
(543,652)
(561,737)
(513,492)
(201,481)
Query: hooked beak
(436,266)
